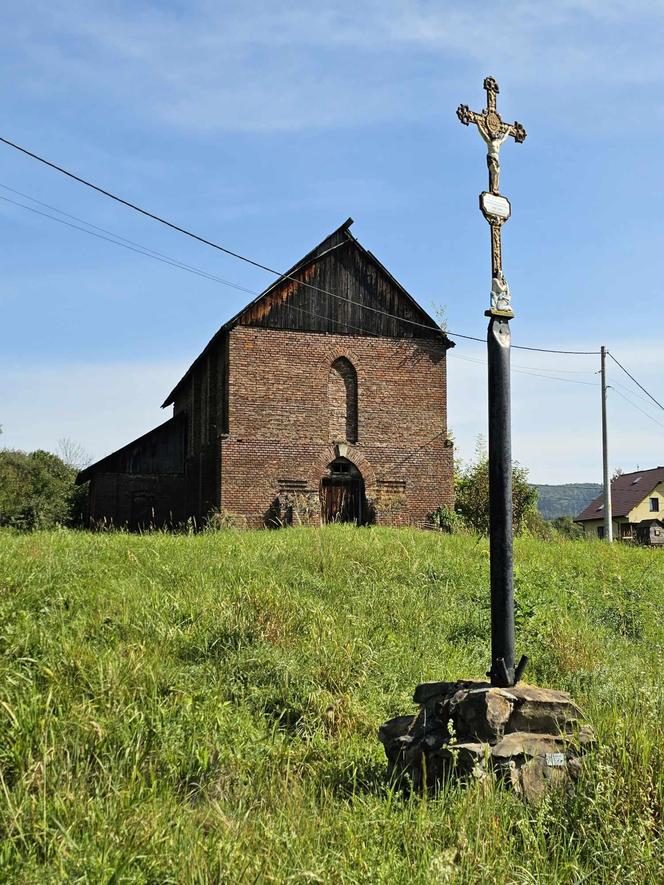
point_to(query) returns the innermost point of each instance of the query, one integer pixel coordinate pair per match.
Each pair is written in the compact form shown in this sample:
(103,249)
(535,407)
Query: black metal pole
(500,504)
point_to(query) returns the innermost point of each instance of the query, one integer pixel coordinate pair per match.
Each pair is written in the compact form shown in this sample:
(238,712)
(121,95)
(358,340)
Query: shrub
(37,491)
(566,526)
(446,519)
(472,495)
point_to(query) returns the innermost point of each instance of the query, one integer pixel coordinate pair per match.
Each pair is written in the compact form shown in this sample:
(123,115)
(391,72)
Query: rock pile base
(531,738)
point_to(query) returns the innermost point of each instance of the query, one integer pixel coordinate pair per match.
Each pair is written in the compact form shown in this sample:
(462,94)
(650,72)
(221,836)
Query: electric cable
(158,256)
(122,239)
(643,412)
(204,240)
(638,384)
(129,244)
(525,371)
(254,263)
(612,382)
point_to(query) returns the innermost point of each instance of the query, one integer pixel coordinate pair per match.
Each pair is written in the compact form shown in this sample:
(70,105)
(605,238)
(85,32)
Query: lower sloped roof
(160,450)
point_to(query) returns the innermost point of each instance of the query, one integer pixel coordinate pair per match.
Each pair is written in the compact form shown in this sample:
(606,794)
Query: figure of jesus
(493,158)
(492,129)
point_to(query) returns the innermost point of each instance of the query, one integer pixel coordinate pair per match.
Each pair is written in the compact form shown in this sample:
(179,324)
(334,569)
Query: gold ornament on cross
(495,207)
(493,130)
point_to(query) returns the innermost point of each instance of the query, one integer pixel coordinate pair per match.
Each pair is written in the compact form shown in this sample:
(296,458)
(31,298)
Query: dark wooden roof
(160,450)
(627,491)
(339,287)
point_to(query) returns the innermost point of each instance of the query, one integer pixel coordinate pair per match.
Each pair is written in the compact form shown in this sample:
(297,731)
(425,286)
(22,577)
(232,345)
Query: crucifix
(496,209)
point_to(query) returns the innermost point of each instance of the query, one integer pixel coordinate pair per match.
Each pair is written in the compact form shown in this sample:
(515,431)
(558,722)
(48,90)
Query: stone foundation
(530,738)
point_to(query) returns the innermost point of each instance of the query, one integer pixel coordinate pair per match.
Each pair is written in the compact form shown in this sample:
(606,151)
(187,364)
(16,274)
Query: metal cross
(496,209)
(492,129)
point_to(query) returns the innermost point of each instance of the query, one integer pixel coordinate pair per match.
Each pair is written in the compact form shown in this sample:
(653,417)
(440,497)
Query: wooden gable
(338,288)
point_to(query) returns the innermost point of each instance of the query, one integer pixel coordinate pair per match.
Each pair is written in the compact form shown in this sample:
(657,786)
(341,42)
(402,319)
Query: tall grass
(204,708)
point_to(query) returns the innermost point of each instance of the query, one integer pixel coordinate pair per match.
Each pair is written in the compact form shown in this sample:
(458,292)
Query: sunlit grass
(204,708)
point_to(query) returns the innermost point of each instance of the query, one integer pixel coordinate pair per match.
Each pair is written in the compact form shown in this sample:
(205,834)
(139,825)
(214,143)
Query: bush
(37,491)
(472,495)
(446,519)
(566,526)
(536,526)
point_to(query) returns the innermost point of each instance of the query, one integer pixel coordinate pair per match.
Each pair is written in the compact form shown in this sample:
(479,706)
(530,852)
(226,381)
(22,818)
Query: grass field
(204,708)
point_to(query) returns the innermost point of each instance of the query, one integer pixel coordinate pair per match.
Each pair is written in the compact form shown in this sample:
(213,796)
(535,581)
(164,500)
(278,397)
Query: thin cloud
(266,68)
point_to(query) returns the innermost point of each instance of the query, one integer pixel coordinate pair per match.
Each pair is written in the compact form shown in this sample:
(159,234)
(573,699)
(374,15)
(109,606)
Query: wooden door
(341,500)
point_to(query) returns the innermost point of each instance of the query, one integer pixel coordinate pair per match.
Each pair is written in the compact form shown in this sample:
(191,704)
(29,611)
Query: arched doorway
(342,493)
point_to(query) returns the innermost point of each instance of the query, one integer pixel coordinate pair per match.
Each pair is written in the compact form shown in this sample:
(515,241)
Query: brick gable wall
(279,441)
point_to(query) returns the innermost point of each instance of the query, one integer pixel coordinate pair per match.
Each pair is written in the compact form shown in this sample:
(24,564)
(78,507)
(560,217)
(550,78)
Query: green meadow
(203,708)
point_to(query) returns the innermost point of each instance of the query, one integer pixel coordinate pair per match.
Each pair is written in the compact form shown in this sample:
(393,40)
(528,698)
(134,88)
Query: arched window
(342,400)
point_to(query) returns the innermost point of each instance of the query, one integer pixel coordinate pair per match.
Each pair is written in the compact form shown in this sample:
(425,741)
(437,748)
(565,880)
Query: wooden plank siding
(357,296)
(160,451)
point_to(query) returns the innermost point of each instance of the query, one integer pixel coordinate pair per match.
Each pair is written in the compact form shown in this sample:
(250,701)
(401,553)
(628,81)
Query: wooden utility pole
(608,516)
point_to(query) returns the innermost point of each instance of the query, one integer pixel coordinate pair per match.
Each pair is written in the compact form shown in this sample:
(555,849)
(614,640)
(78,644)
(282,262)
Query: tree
(73,454)
(472,494)
(36,490)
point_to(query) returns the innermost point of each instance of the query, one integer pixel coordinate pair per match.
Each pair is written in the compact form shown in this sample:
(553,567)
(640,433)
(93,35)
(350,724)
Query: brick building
(324,399)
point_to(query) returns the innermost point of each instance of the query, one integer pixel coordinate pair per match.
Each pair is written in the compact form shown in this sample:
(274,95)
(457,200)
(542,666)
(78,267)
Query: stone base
(531,738)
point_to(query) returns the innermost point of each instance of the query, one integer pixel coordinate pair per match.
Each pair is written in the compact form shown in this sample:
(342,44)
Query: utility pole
(608,516)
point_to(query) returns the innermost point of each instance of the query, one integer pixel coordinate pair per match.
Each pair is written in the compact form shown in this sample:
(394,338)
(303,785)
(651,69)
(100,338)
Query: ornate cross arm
(517,132)
(493,130)
(467,116)
(497,130)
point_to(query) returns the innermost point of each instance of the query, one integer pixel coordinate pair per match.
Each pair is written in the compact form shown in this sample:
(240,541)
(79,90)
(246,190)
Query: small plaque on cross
(495,206)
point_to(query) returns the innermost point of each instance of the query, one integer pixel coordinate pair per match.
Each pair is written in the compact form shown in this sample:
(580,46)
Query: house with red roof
(637,505)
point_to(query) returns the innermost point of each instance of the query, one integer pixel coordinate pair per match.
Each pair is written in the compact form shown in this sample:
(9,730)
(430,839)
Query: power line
(147,250)
(258,264)
(467,337)
(549,350)
(638,384)
(159,256)
(128,244)
(527,371)
(629,390)
(560,371)
(634,405)
(555,378)
(118,240)
(204,240)
(136,208)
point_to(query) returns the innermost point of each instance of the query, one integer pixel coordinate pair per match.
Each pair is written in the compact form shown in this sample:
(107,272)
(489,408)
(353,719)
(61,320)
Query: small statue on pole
(496,209)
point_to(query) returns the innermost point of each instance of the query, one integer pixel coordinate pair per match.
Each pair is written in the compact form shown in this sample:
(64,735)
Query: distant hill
(566,499)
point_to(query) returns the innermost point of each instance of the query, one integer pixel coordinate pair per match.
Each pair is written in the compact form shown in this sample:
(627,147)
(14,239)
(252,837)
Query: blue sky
(263,125)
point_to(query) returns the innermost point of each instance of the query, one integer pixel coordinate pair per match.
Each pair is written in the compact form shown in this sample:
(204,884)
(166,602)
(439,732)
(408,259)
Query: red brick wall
(279,445)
